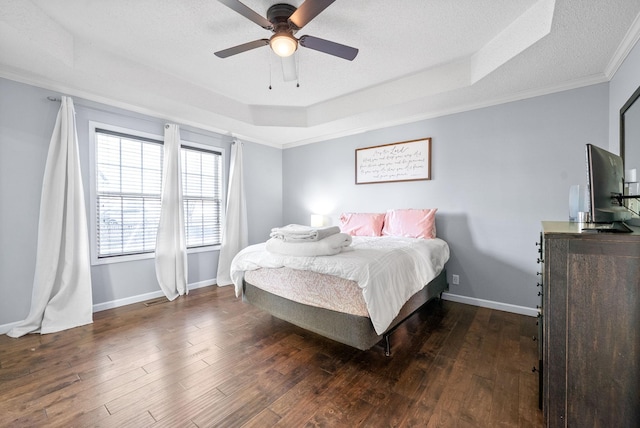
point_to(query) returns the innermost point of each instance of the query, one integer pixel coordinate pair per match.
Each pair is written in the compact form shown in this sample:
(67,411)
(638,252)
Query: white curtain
(235,235)
(61,296)
(171,247)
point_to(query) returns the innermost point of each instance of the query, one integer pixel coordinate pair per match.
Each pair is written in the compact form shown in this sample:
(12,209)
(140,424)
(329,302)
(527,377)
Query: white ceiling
(417,59)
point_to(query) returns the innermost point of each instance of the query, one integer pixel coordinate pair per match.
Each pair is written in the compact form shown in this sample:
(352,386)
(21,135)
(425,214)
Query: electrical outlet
(455,279)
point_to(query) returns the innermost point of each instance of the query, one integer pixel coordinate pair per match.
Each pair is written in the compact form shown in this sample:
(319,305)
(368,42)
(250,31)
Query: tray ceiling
(417,59)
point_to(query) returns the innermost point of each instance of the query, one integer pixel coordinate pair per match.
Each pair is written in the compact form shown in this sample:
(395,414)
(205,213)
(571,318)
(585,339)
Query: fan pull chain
(298,70)
(269,65)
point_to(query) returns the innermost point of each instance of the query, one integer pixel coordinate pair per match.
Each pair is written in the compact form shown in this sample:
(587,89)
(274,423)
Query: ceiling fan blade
(307,11)
(289,69)
(248,13)
(328,47)
(241,48)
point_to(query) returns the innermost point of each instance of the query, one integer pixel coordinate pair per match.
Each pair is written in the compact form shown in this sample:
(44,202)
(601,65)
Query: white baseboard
(506,307)
(127,301)
(147,296)
(4,328)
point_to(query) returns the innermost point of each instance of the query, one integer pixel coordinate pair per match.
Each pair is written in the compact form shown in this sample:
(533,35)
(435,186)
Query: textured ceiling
(417,59)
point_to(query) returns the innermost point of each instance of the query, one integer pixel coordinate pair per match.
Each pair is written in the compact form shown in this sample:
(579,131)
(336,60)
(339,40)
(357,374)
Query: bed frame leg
(387,346)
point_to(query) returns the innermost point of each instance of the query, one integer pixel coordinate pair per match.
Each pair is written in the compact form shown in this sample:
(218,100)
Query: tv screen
(606,186)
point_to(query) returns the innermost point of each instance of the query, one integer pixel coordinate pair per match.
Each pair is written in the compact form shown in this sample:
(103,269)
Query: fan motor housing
(279,14)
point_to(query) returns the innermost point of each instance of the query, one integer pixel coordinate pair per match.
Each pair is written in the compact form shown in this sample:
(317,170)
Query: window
(128,184)
(202,194)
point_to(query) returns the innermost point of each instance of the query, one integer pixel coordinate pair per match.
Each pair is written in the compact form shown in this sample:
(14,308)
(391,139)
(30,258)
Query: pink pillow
(361,224)
(410,223)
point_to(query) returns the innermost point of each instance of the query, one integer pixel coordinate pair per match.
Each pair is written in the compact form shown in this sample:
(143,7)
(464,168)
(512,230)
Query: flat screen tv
(605,172)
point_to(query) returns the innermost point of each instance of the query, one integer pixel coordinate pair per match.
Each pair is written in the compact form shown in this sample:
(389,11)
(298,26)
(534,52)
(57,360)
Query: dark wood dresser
(590,321)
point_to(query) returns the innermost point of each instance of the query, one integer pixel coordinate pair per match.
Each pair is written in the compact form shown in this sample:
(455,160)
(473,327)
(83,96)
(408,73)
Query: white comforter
(389,270)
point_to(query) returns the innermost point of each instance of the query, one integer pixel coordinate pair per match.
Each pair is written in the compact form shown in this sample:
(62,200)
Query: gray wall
(621,87)
(26,123)
(496,173)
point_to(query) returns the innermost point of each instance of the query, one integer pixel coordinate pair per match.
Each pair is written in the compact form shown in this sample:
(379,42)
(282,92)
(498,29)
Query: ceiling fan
(284,21)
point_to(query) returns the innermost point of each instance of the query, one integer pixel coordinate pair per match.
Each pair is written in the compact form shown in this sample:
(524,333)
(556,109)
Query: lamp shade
(317,220)
(283,44)
(630,176)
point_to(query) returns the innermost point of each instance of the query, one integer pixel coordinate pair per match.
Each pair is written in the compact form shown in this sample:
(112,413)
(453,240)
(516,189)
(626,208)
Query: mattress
(311,288)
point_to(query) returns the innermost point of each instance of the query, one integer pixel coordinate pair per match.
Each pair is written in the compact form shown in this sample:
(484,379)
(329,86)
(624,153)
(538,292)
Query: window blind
(202,194)
(128,189)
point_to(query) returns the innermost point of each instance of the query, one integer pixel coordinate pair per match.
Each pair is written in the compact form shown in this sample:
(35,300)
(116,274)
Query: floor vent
(158,301)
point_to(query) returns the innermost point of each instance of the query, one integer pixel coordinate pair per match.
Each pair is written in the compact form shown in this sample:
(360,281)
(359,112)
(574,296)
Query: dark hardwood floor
(208,360)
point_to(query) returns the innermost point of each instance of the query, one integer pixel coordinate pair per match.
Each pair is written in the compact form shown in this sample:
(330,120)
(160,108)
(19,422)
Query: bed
(357,297)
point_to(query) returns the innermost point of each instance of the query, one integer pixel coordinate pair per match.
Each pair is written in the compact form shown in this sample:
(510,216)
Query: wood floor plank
(266,418)
(75,400)
(477,402)
(149,386)
(506,398)
(351,399)
(100,417)
(323,407)
(438,380)
(208,359)
(345,404)
(529,415)
(305,395)
(392,412)
(178,409)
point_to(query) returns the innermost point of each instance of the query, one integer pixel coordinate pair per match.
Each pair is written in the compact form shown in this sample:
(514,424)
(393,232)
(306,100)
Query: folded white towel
(300,233)
(328,246)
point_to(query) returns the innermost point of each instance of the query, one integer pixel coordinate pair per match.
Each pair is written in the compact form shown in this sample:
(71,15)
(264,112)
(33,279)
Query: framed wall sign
(403,161)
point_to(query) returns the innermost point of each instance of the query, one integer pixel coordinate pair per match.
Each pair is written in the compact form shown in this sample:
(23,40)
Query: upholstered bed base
(352,330)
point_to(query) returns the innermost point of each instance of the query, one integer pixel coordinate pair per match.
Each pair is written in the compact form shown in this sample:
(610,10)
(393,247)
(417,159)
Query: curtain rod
(188,128)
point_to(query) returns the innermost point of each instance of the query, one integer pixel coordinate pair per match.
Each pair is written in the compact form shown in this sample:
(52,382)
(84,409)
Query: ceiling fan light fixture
(283,44)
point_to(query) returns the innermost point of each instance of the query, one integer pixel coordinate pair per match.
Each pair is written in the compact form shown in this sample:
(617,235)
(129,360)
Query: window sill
(145,256)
